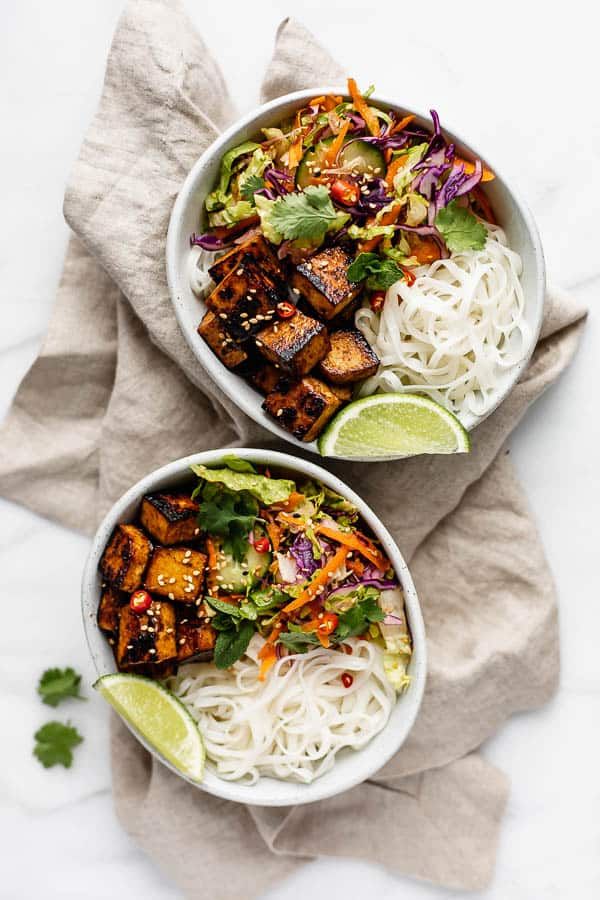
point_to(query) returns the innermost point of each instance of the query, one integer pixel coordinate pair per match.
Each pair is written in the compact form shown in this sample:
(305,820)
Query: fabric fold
(116,392)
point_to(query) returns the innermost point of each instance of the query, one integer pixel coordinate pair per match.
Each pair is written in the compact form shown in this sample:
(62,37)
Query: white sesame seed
(172,580)
(223,315)
(169,630)
(295,291)
(279,412)
(259,343)
(171,596)
(143,628)
(240,272)
(130,646)
(150,630)
(196,531)
(152,651)
(196,572)
(187,553)
(189,589)
(182,640)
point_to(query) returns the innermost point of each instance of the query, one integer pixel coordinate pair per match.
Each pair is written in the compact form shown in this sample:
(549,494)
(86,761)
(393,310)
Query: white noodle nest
(292,725)
(455,331)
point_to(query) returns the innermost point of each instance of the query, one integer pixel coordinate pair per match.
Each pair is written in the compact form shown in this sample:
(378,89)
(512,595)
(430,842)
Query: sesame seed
(186,562)
(196,531)
(183,621)
(171,596)
(189,589)
(143,628)
(152,651)
(259,318)
(219,578)
(182,640)
(244,315)
(252,290)
(295,291)
(150,630)
(279,412)
(196,572)
(172,580)
(240,272)
(253,321)
(259,343)
(187,553)
(223,316)
(130,646)
(169,630)
(320,616)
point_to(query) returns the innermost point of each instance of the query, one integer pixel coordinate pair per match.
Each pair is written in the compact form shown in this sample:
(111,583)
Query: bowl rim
(297,793)
(209,361)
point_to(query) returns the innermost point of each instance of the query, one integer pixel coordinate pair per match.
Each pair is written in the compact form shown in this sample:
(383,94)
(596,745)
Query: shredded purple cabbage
(208,242)
(302,551)
(371,201)
(456,185)
(279,181)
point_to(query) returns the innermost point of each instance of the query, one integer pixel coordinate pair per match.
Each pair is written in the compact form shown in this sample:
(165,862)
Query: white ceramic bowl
(187,217)
(351,767)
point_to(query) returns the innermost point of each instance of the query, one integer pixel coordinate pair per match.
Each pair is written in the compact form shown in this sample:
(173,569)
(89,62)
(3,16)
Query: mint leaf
(231,645)
(307,215)
(54,743)
(59,684)
(296,640)
(380,274)
(356,620)
(252,184)
(460,229)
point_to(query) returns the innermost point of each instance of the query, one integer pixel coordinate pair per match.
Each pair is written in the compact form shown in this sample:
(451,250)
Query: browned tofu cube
(343,391)
(255,248)
(125,558)
(265,378)
(245,301)
(323,282)
(195,635)
(170,518)
(176,573)
(109,609)
(351,358)
(229,351)
(146,639)
(303,407)
(296,345)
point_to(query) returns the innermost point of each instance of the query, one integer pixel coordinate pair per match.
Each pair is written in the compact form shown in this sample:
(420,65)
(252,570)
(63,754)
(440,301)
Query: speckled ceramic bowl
(351,767)
(187,216)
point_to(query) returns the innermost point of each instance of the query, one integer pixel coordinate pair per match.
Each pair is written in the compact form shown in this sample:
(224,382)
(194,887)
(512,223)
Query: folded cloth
(116,392)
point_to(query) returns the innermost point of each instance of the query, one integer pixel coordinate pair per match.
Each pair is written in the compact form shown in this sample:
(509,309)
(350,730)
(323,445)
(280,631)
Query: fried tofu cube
(176,573)
(170,518)
(351,358)
(195,636)
(229,351)
(255,248)
(342,391)
(265,378)
(296,345)
(245,301)
(125,558)
(146,639)
(302,407)
(109,609)
(323,282)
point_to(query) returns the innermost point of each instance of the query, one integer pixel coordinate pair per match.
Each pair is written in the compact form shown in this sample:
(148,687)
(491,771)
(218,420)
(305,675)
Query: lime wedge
(393,425)
(159,717)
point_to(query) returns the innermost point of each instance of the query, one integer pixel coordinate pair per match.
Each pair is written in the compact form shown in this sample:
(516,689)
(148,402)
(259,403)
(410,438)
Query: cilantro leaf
(229,515)
(460,228)
(252,184)
(380,274)
(231,645)
(307,215)
(356,620)
(54,743)
(296,640)
(58,684)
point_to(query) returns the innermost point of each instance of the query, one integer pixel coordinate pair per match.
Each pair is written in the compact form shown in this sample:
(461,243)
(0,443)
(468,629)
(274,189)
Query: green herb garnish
(307,215)
(460,229)
(232,644)
(59,684)
(380,274)
(54,744)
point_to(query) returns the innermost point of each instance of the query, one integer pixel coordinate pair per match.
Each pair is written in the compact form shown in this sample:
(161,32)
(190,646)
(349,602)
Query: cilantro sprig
(252,184)
(228,514)
(380,274)
(54,744)
(56,685)
(460,229)
(306,215)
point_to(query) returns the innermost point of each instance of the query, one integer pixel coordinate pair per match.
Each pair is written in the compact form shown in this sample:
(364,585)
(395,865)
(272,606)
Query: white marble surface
(523,85)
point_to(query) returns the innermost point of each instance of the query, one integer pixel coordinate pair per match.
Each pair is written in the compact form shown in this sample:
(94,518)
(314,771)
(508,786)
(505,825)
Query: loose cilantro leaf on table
(460,228)
(59,684)
(307,215)
(380,273)
(232,644)
(54,743)
(252,184)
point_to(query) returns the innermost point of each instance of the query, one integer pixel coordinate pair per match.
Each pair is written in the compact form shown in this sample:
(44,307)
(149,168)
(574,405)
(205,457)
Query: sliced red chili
(347,679)
(262,545)
(140,601)
(328,623)
(345,192)
(286,310)
(376,300)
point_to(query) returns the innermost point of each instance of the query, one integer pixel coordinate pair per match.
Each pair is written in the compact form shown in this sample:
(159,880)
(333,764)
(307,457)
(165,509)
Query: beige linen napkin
(116,392)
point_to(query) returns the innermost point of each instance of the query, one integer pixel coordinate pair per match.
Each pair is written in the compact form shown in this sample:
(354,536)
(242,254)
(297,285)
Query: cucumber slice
(238,575)
(361,156)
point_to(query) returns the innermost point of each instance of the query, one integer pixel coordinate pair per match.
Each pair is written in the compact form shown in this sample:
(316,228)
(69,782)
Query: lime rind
(394,425)
(159,717)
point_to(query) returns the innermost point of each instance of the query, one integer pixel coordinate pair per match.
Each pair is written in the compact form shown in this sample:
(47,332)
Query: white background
(521,80)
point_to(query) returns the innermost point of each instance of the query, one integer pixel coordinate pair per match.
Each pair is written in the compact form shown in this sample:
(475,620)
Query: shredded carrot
(292,502)
(355,541)
(313,625)
(317,101)
(331,155)
(393,168)
(331,101)
(362,107)
(272,639)
(425,250)
(488,175)
(357,566)
(320,577)
(484,203)
(274,532)
(267,662)
(388,218)
(401,125)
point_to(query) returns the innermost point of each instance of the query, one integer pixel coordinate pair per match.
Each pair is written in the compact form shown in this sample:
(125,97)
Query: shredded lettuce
(264,208)
(394,666)
(218,198)
(358,233)
(267,490)
(234,211)
(405,175)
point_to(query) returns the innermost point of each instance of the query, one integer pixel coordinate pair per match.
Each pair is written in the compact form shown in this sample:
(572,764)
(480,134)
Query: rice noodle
(292,725)
(455,331)
(199,262)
